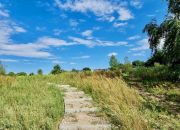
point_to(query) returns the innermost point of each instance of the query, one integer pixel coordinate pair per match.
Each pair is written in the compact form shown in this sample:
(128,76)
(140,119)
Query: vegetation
(86,69)
(114,64)
(40,72)
(2,69)
(56,69)
(29,103)
(169,30)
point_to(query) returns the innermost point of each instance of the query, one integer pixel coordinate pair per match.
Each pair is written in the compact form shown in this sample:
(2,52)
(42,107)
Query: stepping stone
(80,112)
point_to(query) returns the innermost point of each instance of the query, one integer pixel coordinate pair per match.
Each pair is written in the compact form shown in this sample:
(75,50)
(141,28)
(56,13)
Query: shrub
(56,69)
(2,69)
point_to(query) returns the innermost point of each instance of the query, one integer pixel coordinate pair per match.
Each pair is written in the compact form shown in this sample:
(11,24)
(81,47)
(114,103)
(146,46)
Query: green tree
(31,74)
(169,30)
(21,74)
(138,63)
(2,69)
(11,74)
(56,69)
(86,69)
(113,63)
(40,72)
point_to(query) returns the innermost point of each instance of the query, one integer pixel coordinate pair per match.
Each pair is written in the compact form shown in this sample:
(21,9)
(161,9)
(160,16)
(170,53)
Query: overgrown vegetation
(29,103)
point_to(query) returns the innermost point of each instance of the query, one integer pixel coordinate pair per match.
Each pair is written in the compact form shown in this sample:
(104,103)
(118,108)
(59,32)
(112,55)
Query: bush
(21,74)
(156,73)
(2,69)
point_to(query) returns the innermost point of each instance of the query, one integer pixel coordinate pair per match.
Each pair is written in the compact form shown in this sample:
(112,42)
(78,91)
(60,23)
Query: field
(29,103)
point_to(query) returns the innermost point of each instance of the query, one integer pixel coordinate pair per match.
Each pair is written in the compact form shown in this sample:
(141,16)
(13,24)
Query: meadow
(28,103)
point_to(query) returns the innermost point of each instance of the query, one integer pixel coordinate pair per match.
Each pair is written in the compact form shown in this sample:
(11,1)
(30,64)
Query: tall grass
(117,100)
(28,103)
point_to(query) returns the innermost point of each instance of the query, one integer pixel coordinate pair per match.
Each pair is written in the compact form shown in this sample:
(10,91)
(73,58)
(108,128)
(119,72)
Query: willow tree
(169,30)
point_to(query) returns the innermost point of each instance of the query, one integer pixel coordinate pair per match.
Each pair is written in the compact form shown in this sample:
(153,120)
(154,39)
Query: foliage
(138,63)
(29,103)
(113,62)
(31,74)
(156,58)
(21,74)
(74,70)
(56,69)
(169,30)
(11,74)
(2,69)
(40,72)
(86,69)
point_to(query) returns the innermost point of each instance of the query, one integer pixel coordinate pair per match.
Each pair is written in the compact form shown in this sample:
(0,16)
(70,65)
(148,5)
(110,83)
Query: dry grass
(117,100)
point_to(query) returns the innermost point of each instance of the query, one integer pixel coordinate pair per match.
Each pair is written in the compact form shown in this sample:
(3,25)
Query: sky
(74,33)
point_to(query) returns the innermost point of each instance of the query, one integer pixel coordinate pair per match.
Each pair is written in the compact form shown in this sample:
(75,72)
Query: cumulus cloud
(103,9)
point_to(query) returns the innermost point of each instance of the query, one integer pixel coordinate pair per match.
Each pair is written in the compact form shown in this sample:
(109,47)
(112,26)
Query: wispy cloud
(135,37)
(3,12)
(8,60)
(136,3)
(141,45)
(101,8)
(87,34)
(97,42)
(120,24)
(82,57)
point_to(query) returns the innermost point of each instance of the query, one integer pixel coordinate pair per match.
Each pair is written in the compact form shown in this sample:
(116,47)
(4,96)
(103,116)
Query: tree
(86,69)
(113,62)
(74,70)
(21,74)
(56,69)
(31,74)
(11,74)
(2,69)
(40,72)
(169,30)
(138,63)
(156,58)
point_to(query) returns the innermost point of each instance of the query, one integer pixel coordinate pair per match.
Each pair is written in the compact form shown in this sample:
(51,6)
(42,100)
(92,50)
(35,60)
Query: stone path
(80,112)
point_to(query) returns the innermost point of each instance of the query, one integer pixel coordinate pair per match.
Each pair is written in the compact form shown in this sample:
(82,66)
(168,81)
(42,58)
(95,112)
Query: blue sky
(74,33)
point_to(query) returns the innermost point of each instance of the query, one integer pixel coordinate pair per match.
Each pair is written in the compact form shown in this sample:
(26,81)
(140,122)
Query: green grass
(28,103)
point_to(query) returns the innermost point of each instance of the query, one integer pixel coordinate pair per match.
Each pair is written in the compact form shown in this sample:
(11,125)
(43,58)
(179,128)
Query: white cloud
(87,34)
(96,42)
(142,45)
(136,3)
(103,9)
(120,24)
(135,37)
(57,62)
(125,14)
(8,60)
(139,53)
(82,57)
(19,29)
(112,54)
(3,12)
